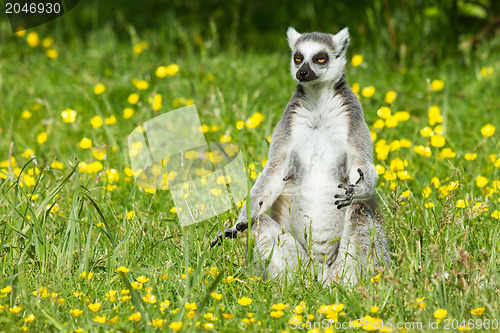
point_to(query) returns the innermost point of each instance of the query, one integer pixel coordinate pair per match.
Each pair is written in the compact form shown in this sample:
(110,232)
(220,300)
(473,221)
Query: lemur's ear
(341,41)
(292,35)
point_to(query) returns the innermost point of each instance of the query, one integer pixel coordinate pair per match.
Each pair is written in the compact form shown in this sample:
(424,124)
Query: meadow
(83,249)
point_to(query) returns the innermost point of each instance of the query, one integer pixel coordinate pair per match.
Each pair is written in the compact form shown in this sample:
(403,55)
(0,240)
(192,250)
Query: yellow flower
(402,115)
(133,98)
(172,69)
(47,42)
(141,84)
(379,124)
(190,306)
(122,269)
(130,215)
(138,48)
(42,137)
(390,96)
(99,88)
(481,181)
(470,157)
(125,299)
(355,88)
(6,290)
(68,116)
(496,214)
(100,319)
(176,326)
(208,326)
(215,295)
(94,167)
(384,112)
(406,193)
(368,91)
(277,314)
(488,130)
(435,116)
(96,122)
(477,312)
(440,313)
(437,85)
(158,323)
(15,309)
(437,141)
(21,31)
(32,39)
(229,279)
(424,151)
(30,318)
(157,100)
(280,306)
(52,53)
(462,203)
(95,307)
(111,120)
(376,278)
(392,121)
(427,192)
(165,304)
(244,301)
(25,114)
(135,316)
(142,279)
(240,124)
(374,309)
(487,71)
(447,153)
(161,72)
(127,113)
(85,143)
(357,60)
(61,301)
(228,315)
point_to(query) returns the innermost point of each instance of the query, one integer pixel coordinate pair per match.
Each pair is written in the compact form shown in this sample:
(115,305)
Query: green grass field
(70,215)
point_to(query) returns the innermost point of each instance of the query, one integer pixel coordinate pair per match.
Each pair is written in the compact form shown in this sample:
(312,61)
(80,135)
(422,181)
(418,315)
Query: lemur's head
(317,57)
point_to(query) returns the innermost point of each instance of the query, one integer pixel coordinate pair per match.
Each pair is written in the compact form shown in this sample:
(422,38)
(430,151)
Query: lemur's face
(317,57)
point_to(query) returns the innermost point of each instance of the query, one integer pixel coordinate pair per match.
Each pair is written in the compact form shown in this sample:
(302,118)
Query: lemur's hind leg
(355,245)
(276,250)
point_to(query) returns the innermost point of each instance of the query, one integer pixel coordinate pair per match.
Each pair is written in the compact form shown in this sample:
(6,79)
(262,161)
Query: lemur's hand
(229,233)
(350,192)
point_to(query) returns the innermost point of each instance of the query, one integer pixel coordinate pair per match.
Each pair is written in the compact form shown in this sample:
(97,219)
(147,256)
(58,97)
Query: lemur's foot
(228,233)
(346,199)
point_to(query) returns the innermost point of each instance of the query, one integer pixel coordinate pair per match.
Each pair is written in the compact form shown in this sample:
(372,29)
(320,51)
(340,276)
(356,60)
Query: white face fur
(317,57)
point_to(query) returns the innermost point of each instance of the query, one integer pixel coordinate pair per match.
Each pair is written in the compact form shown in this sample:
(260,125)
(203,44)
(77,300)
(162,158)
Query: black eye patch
(321,58)
(298,58)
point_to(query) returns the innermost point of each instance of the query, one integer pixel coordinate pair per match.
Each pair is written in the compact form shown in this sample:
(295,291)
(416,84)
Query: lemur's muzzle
(305,73)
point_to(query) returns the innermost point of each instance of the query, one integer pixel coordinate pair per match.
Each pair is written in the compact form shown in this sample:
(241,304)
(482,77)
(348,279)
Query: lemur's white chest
(319,132)
(319,142)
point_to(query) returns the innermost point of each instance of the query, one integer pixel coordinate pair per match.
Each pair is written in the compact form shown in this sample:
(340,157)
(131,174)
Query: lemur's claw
(346,198)
(241,226)
(361,176)
(228,233)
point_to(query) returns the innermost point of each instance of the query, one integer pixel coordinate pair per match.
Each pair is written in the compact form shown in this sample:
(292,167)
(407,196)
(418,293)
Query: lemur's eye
(298,59)
(321,60)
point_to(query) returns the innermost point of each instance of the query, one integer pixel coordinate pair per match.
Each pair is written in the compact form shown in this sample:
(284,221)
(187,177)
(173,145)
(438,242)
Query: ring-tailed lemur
(320,179)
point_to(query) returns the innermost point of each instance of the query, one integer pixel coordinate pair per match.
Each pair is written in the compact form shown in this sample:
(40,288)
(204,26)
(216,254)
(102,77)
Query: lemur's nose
(304,73)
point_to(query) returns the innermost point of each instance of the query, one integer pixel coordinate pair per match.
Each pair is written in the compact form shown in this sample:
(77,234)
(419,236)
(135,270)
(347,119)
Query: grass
(59,223)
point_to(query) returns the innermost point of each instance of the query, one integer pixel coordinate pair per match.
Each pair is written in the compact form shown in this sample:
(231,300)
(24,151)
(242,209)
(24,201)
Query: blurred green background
(399,32)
